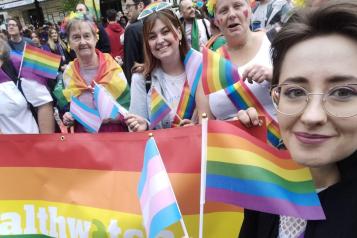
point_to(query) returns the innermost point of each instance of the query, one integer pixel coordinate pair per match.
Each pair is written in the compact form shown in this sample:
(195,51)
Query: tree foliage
(69,5)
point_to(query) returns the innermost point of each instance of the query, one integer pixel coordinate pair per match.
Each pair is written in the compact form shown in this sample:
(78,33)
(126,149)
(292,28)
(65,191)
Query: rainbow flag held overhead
(242,98)
(39,64)
(94,7)
(157,199)
(218,73)
(245,171)
(158,108)
(88,117)
(106,105)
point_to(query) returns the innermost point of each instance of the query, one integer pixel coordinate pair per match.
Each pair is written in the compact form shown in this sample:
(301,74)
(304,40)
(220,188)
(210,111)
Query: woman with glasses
(89,68)
(315,94)
(165,48)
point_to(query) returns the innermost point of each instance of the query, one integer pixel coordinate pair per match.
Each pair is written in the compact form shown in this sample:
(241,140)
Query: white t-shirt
(15,115)
(170,87)
(222,107)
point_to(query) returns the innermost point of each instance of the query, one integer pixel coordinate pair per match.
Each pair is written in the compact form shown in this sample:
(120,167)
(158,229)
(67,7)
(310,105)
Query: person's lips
(308,138)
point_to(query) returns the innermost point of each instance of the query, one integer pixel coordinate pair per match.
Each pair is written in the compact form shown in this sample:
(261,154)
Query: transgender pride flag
(157,199)
(106,104)
(88,117)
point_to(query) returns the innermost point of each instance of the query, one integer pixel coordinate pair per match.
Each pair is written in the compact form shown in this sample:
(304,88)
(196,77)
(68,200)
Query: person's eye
(293,92)
(152,37)
(223,11)
(343,93)
(165,32)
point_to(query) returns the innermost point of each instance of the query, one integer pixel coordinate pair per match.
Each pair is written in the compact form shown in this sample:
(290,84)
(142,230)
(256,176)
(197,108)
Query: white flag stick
(203,171)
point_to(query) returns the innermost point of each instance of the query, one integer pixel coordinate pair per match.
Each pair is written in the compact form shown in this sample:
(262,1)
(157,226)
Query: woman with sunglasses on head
(165,48)
(315,94)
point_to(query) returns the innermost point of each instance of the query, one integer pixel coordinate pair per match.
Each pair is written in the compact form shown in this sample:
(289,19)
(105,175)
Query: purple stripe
(29,74)
(263,204)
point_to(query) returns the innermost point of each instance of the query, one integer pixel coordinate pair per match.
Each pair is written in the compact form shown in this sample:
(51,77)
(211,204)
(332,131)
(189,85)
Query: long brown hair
(171,21)
(52,44)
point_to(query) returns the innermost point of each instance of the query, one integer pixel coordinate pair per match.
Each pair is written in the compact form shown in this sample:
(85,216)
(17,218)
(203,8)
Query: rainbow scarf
(110,75)
(244,171)
(242,98)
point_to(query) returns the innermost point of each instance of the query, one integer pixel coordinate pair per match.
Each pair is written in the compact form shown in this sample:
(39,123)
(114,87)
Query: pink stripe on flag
(192,65)
(157,203)
(155,167)
(90,119)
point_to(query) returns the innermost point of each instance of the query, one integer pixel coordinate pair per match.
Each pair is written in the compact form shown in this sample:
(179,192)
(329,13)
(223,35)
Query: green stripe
(257,174)
(43,64)
(222,73)
(124,98)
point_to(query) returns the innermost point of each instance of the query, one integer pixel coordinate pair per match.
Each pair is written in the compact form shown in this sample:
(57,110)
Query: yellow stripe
(215,66)
(244,157)
(41,60)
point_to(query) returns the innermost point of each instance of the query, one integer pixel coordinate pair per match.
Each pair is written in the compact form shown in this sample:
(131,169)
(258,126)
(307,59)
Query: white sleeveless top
(222,107)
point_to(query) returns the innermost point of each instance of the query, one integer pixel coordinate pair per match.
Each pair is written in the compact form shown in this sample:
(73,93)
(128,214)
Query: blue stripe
(197,80)
(150,152)
(163,219)
(236,98)
(34,66)
(96,94)
(85,107)
(190,107)
(262,189)
(188,55)
(273,139)
(115,112)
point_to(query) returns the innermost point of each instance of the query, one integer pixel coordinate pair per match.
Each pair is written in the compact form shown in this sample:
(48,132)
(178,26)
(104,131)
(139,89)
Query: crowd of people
(298,63)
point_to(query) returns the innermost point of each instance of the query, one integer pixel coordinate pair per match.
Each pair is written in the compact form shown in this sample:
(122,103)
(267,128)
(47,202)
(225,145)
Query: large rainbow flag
(247,172)
(39,64)
(85,185)
(158,108)
(218,73)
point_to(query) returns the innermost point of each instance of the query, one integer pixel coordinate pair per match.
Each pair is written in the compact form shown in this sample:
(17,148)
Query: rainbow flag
(158,108)
(157,199)
(186,105)
(88,117)
(245,171)
(242,98)
(39,64)
(218,72)
(94,8)
(88,182)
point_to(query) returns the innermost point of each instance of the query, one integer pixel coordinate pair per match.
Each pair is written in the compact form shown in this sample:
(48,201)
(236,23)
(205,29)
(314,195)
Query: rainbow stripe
(218,72)
(157,199)
(186,105)
(159,108)
(94,7)
(244,171)
(242,98)
(38,64)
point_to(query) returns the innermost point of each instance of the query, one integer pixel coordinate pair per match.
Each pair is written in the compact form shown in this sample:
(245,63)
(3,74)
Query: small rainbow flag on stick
(186,105)
(38,64)
(244,171)
(159,108)
(218,73)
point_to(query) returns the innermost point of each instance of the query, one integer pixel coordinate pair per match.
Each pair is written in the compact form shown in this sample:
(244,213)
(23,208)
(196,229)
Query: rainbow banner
(94,8)
(247,172)
(242,98)
(157,198)
(218,73)
(85,185)
(39,64)
(158,108)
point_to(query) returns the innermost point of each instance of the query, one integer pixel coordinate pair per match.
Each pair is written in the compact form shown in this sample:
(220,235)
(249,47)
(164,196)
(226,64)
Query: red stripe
(179,148)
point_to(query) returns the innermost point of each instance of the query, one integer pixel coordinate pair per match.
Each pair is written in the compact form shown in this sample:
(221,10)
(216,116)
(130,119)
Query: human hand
(136,123)
(68,119)
(249,117)
(257,73)
(186,122)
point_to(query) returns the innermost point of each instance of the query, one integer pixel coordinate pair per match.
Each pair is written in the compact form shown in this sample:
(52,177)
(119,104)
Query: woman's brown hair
(335,17)
(171,21)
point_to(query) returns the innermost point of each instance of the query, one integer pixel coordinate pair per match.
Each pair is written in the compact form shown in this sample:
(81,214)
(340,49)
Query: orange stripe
(235,142)
(43,55)
(112,190)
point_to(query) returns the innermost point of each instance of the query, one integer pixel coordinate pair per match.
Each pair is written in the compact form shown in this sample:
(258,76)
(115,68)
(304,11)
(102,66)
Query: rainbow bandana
(109,74)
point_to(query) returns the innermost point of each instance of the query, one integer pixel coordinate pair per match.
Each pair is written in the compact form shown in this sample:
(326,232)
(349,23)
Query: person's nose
(159,39)
(314,112)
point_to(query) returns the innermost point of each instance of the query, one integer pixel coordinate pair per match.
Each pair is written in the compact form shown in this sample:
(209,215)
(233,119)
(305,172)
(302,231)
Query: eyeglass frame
(323,99)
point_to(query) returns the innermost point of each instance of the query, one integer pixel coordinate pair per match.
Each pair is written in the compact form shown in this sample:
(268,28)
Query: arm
(138,94)
(257,73)
(45,118)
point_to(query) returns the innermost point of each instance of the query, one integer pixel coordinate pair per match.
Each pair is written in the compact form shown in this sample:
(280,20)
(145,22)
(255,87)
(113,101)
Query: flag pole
(203,171)
(22,59)
(151,135)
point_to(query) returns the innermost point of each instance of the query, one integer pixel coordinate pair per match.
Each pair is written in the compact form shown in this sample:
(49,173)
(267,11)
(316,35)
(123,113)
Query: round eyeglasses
(339,101)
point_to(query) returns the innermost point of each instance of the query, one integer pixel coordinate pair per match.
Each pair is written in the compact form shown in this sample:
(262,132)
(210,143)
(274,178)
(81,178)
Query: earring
(180,42)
